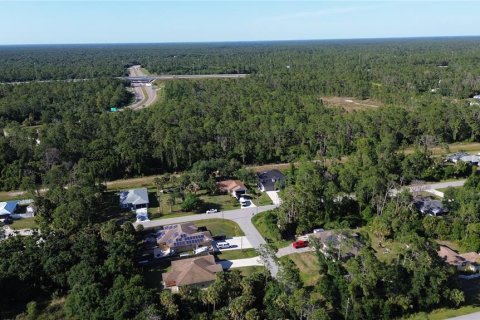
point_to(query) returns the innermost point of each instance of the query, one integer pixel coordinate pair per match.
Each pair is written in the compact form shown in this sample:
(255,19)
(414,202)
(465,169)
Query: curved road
(243,217)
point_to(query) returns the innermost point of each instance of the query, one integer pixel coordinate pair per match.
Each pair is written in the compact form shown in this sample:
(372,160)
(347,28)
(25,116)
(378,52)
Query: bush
(191,203)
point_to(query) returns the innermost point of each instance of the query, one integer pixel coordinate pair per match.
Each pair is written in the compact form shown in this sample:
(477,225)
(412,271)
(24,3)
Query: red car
(300,244)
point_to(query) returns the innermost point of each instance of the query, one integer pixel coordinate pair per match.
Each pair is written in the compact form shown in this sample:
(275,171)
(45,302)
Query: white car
(211,211)
(223,245)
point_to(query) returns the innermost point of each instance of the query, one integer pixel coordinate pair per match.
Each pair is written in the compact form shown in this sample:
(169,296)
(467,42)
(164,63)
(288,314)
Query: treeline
(47,102)
(388,70)
(241,119)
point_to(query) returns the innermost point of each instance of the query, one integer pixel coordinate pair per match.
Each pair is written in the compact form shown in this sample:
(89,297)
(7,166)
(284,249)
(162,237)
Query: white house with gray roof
(134,199)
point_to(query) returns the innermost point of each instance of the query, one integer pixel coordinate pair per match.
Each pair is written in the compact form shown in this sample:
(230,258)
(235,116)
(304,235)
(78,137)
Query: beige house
(182,236)
(199,272)
(235,187)
(464,262)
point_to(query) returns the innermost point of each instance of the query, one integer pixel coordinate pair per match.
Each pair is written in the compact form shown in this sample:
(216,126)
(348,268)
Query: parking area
(236,243)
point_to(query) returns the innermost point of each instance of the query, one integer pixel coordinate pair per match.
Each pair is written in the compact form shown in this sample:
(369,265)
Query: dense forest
(60,133)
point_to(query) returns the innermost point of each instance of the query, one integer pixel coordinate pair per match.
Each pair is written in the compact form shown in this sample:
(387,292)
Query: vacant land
(307,264)
(350,104)
(266,225)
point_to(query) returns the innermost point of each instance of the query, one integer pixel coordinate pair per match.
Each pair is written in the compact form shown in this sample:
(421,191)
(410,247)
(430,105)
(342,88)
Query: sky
(60,22)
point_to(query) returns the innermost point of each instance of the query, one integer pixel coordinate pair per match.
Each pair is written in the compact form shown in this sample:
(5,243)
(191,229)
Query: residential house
(198,271)
(235,187)
(336,244)
(182,237)
(134,199)
(477,96)
(464,262)
(464,157)
(8,208)
(429,206)
(270,180)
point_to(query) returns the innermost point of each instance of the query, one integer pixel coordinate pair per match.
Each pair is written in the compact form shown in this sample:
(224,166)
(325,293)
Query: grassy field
(307,264)
(264,222)
(246,271)
(27,223)
(350,104)
(221,227)
(236,254)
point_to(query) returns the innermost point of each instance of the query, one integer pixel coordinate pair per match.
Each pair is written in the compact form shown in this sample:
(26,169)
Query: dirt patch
(350,104)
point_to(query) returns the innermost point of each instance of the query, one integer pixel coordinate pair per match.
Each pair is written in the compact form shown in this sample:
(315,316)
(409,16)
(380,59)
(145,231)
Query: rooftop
(192,271)
(182,234)
(134,197)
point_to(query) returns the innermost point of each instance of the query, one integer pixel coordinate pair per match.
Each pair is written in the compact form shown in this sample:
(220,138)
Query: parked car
(223,245)
(300,244)
(211,211)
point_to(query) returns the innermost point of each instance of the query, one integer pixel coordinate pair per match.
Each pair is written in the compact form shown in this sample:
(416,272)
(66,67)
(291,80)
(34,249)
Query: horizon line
(237,41)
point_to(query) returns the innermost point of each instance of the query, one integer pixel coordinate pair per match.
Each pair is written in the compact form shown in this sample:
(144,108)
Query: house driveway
(275,198)
(239,263)
(241,216)
(291,250)
(237,243)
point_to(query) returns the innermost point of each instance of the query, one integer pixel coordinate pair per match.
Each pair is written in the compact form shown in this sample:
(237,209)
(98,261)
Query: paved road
(184,76)
(241,216)
(141,89)
(471,316)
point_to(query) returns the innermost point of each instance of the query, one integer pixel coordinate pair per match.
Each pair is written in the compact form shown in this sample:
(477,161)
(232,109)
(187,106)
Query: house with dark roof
(429,206)
(182,237)
(235,187)
(198,271)
(134,199)
(270,180)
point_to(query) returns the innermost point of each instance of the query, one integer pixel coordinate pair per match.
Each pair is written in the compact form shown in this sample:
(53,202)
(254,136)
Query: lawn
(386,250)
(221,227)
(265,222)
(246,271)
(441,314)
(27,223)
(307,264)
(165,210)
(236,254)
(263,200)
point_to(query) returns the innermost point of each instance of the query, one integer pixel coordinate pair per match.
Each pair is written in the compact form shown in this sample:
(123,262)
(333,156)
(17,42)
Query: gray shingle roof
(134,197)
